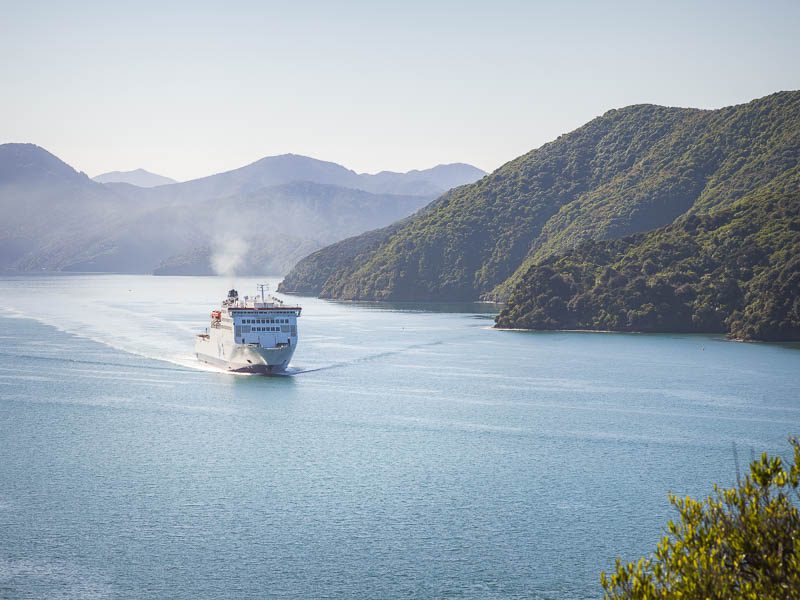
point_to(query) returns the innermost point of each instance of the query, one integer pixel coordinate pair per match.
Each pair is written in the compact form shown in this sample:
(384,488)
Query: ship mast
(263,287)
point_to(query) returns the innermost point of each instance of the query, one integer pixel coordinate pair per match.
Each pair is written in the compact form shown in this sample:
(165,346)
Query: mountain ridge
(286,168)
(138,177)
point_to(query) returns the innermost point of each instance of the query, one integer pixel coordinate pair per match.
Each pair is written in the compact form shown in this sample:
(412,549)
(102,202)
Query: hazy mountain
(59,219)
(432,181)
(138,177)
(48,206)
(628,171)
(288,168)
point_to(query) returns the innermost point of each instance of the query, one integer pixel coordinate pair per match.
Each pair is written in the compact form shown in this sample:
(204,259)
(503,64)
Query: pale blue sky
(191,88)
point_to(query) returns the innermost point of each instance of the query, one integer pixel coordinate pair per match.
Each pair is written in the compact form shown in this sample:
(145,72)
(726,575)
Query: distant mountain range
(138,177)
(718,189)
(289,168)
(278,210)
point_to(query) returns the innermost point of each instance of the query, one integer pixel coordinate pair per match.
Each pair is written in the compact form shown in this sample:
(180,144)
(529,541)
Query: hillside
(734,270)
(310,274)
(137,177)
(630,170)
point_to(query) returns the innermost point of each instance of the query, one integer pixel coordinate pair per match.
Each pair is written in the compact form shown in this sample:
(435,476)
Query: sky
(186,89)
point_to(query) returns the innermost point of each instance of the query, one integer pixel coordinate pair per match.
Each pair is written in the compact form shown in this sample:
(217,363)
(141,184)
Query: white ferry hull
(249,358)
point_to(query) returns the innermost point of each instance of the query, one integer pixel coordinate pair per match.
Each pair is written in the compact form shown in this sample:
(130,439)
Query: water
(414,453)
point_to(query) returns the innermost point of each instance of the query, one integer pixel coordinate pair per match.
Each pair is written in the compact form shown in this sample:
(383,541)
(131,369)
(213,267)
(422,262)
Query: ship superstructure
(251,335)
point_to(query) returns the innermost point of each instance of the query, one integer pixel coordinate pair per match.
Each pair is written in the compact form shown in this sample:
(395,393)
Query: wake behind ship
(250,335)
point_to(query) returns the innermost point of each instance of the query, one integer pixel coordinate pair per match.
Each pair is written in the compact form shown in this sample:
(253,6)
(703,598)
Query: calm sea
(414,452)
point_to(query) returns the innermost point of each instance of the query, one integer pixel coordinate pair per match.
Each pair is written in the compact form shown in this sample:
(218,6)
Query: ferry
(250,335)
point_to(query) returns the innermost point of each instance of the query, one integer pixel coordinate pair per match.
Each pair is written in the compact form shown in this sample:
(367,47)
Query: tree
(742,542)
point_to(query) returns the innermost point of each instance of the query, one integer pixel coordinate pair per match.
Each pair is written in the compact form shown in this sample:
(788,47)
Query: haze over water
(415,452)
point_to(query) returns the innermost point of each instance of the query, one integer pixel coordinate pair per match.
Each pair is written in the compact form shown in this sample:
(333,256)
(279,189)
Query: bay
(412,452)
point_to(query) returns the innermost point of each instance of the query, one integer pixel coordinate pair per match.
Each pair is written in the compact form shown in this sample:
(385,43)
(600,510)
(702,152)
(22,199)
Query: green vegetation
(733,270)
(310,274)
(742,542)
(630,170)
(711,198)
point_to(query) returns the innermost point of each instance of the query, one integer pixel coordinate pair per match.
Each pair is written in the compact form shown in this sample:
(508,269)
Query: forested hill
(734,270)
(630,170)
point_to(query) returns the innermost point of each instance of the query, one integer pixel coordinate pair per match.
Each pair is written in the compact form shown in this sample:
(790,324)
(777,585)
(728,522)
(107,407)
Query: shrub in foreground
(742,542)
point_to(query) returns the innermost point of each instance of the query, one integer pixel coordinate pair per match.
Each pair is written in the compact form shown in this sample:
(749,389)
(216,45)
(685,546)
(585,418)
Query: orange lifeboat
(215,314)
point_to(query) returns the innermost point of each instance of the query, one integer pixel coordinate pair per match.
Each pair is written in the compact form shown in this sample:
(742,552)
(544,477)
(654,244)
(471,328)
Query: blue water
(414,453)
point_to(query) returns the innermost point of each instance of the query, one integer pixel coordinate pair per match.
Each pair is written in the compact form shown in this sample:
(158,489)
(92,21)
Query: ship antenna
(263,287)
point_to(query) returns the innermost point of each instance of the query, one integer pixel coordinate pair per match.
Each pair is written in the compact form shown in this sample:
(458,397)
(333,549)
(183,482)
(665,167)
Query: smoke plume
(227,255)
